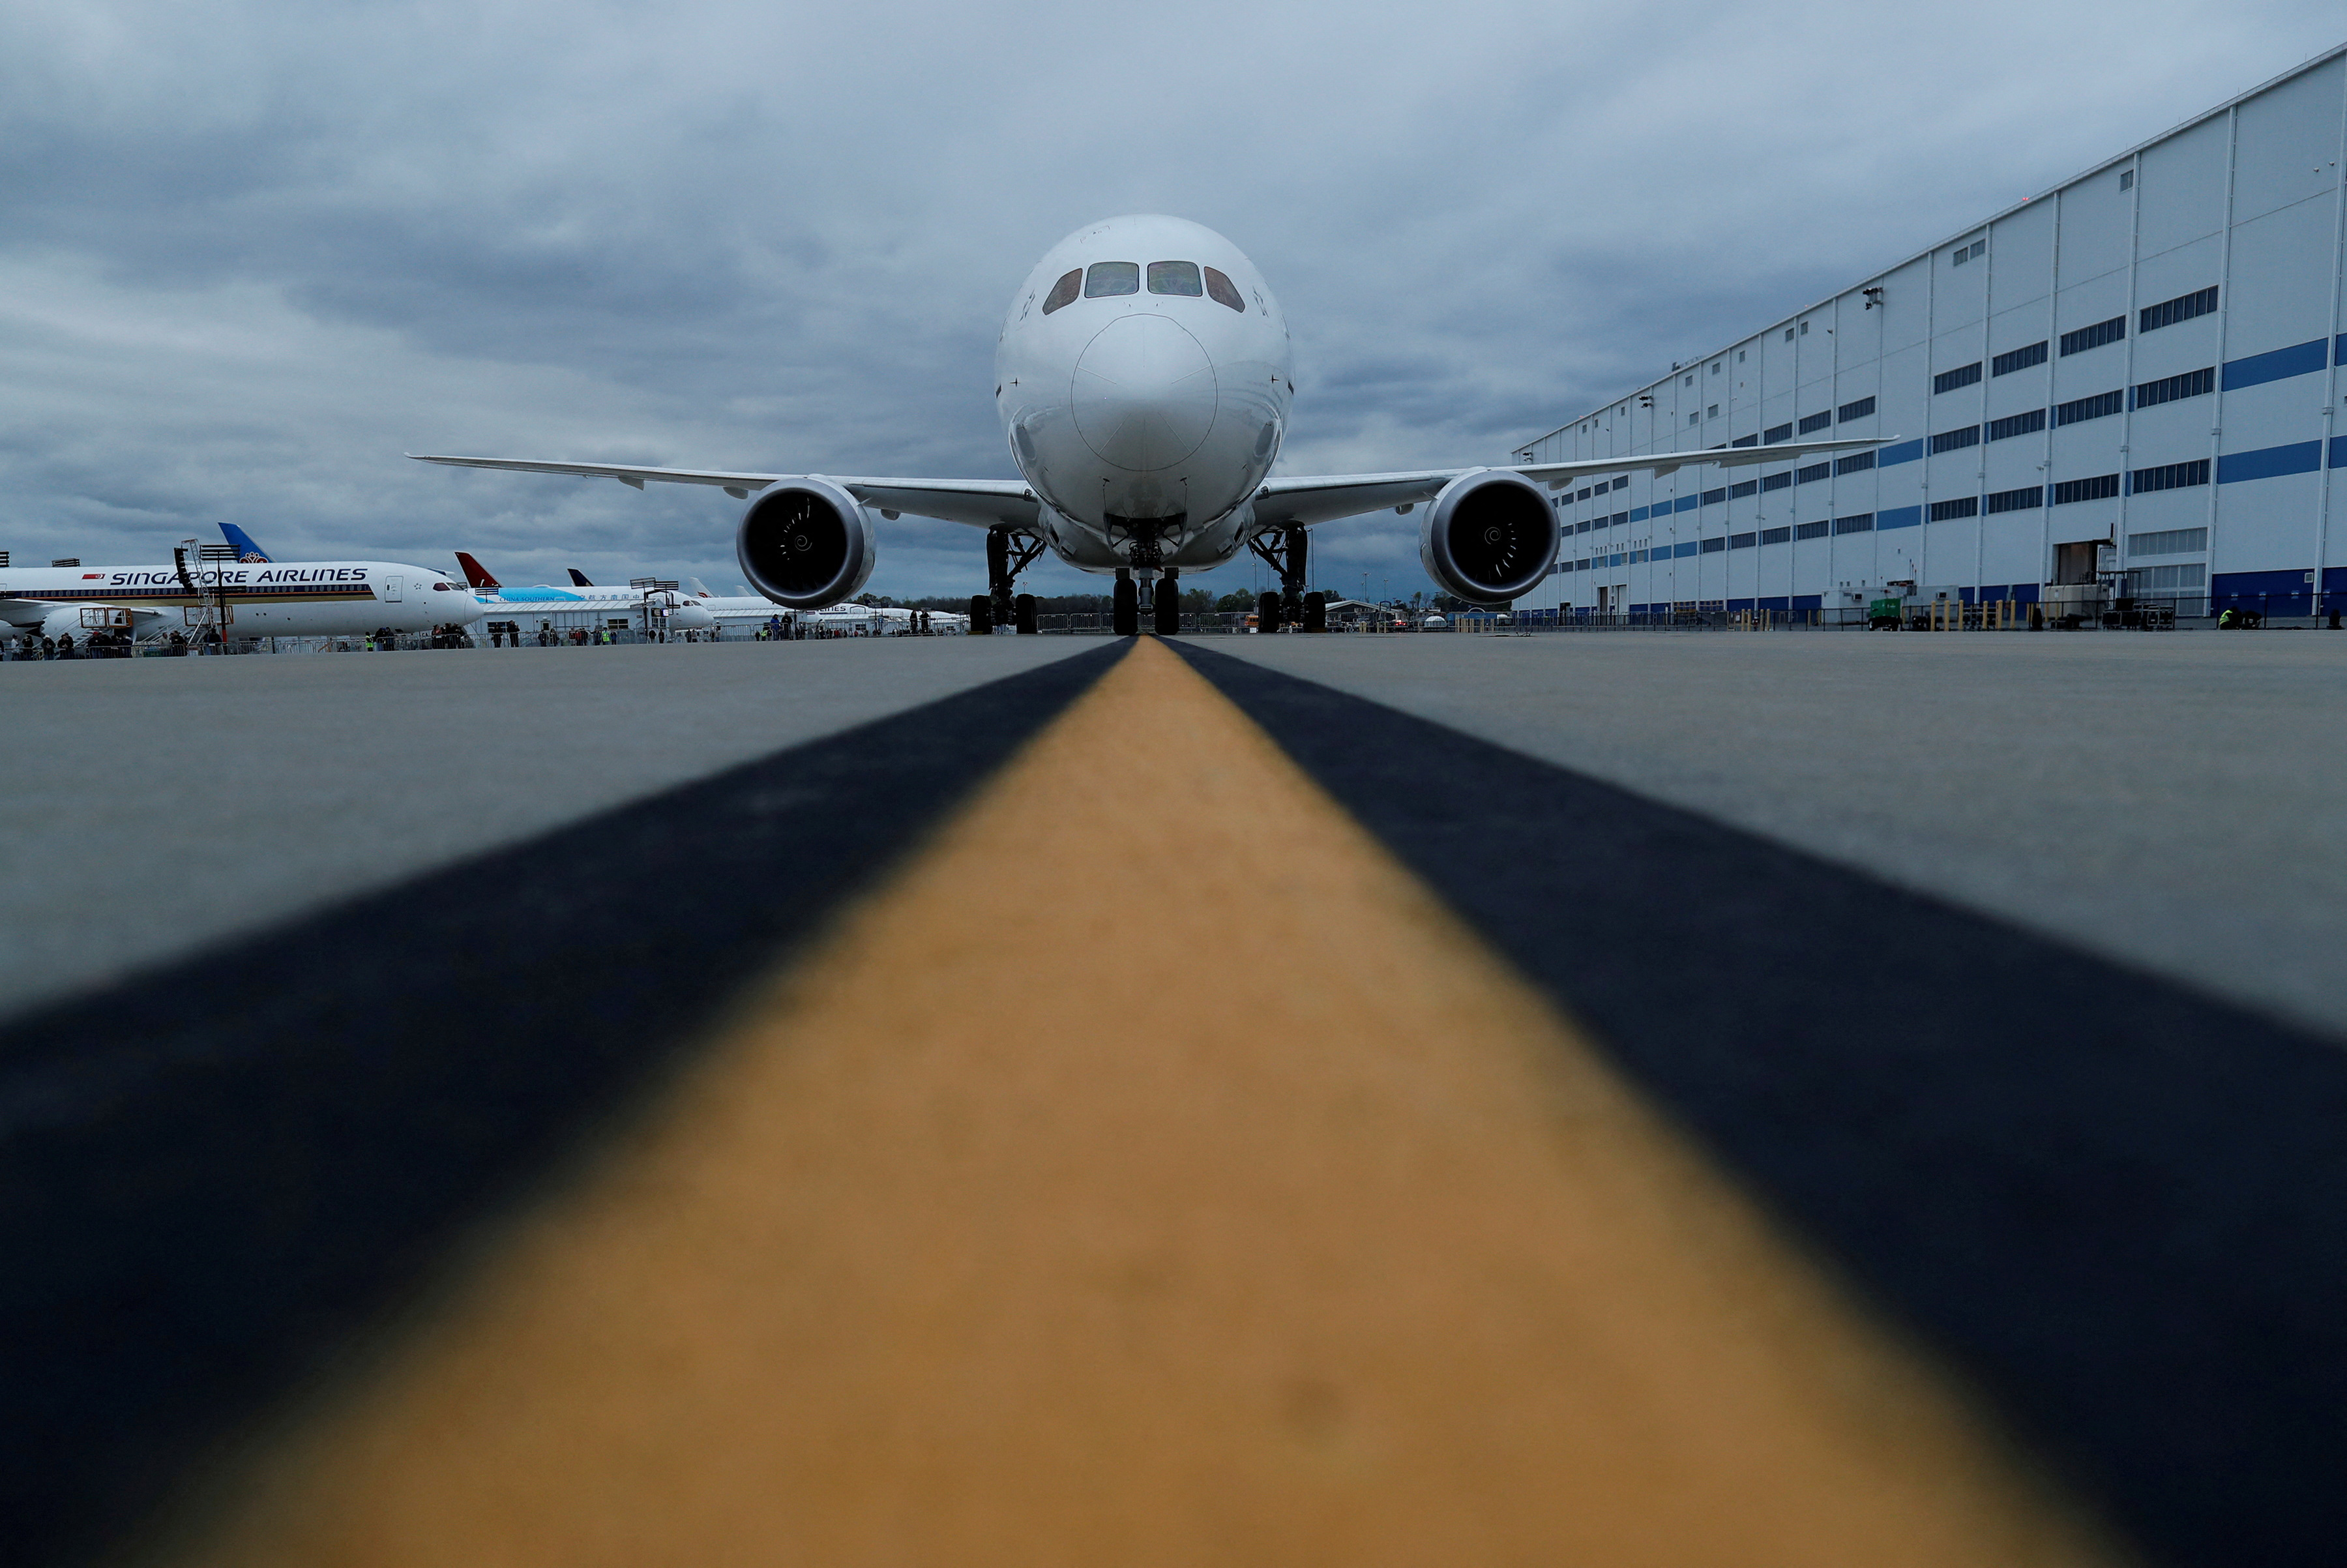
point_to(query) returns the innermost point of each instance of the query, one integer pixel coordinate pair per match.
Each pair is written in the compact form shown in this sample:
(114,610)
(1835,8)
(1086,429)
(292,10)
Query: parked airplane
(669,609)
(1142,378)
(888,618)
(261,599)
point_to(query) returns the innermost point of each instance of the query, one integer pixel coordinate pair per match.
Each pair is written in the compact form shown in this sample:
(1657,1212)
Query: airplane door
(391,590)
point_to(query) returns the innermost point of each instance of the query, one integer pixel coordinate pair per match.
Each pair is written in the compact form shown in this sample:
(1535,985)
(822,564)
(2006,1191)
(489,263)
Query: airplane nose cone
(1145,393)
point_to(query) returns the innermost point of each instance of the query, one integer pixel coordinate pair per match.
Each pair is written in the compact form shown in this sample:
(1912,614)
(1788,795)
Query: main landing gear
(1288,553)
(1007,555)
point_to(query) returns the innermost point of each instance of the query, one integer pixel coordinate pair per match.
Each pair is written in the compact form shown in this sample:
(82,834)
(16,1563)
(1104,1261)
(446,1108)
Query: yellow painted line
(1151,1172)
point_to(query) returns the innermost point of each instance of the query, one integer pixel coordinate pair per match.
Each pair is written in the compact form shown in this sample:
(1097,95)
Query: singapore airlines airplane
(246,599)
(1142,379)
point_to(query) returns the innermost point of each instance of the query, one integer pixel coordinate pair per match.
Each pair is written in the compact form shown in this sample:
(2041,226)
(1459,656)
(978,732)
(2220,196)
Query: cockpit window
(1112,278)
(1219,290)
(1174,278)
(1064,291)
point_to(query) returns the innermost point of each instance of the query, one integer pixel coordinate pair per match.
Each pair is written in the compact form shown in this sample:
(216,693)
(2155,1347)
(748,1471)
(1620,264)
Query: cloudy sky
(249,252)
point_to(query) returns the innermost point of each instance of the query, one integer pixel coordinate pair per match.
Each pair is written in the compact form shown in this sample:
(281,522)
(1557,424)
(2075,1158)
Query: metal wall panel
(2182,182)
(2289,144)
(2282,266)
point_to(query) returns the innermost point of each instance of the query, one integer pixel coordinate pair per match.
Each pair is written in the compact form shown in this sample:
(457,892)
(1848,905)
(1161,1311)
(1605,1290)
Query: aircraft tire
(1024,606)
(1315,612)
(1168,607)
(981,615)
(1267,612)
(1125,609)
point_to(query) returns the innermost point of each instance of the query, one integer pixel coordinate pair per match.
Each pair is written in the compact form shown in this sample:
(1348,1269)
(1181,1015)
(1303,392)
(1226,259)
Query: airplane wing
(31,611)
(982,503)
(1326,497)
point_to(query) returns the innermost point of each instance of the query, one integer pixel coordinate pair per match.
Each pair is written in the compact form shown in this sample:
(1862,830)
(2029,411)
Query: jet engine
(805,544)
(1490,536)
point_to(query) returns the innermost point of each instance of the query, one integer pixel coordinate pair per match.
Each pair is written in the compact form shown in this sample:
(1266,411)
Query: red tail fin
(475,573)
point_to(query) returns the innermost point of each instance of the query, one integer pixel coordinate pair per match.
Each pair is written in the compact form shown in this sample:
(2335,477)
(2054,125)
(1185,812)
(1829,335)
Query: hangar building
(2135,375)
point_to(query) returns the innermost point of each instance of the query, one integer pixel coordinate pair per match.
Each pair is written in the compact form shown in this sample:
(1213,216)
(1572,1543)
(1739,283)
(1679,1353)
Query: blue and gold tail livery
(241,542)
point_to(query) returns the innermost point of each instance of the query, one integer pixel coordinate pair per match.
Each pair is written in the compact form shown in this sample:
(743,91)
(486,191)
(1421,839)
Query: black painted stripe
(2120,1205)
(211,1178)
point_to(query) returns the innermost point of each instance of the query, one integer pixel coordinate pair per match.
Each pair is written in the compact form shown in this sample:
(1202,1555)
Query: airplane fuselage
(1144,375)
(271,599)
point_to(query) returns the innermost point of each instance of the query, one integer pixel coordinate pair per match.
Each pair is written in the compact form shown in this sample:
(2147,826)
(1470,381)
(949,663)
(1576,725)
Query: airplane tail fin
(700,588)
(241,543)
(579,579)
(475,574)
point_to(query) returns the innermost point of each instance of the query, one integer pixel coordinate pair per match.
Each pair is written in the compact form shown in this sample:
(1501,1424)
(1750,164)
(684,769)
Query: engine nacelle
(1490,536)
(807,544)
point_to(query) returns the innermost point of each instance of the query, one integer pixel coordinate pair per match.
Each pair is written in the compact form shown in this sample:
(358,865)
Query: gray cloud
(249,254)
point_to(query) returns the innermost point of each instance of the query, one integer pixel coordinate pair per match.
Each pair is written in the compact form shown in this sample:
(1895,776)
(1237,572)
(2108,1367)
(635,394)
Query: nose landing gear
(1007,555)
(1125,607)
(1168,603)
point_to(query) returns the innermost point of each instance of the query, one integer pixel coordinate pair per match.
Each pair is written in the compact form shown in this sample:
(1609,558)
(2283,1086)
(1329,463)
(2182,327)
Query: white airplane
(1142,378)
(242,599)
(891,620)
(671,608)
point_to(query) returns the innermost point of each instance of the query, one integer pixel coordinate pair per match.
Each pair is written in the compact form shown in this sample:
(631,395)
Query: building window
(1775,433)
(1814,471)
(2016,424)
(1745,441)
(2027,500)
(2094,337)
(1693,416)
(2126,179)
(1579,495)
(1712,413)
(1812,531)
(2182,308)
(2172,578)
(1777,482)
(1949,380)
(1622,481)
(1619,519)
(2012,360)
(2101,487)
(1776,536)
(2169,477)
(1713,546)
(1749,488)
(1859,410)
(1805,329)
(1950,440)
(1949,511)
(1715,497)
(2099,407)
(1742,542)
(1964,253)
(1861,524)
(2168,389)
(1714,367)
(2169,542)
(1814,421)
(1739,356)
(1857,463)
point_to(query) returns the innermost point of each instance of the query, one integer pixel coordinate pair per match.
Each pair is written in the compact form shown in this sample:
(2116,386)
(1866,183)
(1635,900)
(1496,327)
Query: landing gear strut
(1289,553)
(1007,555)
(1169,604)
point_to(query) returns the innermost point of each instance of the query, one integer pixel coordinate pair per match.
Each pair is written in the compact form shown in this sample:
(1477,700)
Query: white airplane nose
(1145,393)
